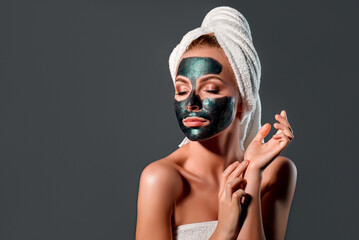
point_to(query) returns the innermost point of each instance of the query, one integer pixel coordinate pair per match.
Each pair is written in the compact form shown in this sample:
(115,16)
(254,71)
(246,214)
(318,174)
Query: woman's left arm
(277,198)
(275,203)
(267,214)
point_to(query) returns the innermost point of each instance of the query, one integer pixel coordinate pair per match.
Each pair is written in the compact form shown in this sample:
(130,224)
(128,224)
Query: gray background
(86,104)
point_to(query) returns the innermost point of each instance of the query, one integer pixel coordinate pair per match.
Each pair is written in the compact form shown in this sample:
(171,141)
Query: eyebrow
(182,80)
(201,79)
(207,78)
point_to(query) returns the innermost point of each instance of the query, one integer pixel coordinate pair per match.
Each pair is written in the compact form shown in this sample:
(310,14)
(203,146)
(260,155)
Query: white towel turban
(232,32)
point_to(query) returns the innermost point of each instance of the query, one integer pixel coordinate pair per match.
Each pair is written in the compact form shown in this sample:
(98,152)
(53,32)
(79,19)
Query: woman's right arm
(159,185)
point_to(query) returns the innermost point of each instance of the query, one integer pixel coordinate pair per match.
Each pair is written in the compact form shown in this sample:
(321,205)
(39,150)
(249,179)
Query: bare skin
(206,180)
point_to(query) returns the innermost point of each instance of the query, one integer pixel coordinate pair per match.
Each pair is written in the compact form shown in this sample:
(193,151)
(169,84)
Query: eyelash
(209,91)
(213,91)
(181,93)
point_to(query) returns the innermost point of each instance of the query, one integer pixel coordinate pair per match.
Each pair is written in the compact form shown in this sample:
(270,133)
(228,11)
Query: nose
(193,103)
(193,108)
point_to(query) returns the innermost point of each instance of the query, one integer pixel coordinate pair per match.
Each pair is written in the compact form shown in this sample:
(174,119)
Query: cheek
(180,108)
(222,109)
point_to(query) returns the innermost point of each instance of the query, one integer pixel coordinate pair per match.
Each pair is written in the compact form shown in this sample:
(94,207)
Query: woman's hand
(261,154)
(230,195)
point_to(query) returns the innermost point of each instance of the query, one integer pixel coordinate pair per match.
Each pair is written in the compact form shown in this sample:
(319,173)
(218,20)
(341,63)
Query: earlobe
(239,110)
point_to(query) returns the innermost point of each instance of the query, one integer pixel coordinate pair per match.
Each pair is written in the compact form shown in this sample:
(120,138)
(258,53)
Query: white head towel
(232,32)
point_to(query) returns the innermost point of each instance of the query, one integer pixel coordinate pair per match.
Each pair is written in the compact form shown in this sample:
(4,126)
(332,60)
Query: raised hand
(261,154)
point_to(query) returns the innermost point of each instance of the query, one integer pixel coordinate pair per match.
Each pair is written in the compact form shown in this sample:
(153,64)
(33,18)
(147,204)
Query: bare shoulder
(161,175)
(281,174)
(279,164)
(160,183)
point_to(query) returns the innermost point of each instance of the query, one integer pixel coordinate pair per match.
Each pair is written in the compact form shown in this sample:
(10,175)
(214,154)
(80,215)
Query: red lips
(195,122)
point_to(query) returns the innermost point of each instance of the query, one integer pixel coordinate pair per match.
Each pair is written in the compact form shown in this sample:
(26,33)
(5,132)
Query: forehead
(211,52)
(214,53)
(195,67)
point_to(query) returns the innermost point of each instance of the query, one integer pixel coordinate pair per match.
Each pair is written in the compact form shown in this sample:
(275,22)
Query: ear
(239,109)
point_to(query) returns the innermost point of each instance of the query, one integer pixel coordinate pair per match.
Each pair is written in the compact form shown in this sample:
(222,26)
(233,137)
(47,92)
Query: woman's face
(206,97)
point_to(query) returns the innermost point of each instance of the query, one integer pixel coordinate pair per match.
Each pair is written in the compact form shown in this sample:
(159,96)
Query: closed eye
(181,93)
(213,91)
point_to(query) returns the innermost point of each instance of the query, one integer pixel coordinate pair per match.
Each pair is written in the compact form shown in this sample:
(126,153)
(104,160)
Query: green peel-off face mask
(220,112)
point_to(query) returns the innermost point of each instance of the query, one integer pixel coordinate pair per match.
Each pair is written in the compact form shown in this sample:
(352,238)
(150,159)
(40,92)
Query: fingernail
(245,162)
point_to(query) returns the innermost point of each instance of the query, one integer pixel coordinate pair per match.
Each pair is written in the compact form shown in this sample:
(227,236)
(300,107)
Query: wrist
(253,169)
(254,181)
(253,177)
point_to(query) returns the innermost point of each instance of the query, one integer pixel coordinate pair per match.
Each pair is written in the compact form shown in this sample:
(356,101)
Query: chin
(203,138)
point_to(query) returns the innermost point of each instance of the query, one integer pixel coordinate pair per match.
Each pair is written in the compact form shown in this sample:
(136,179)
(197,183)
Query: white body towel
(233,34)
(194,231)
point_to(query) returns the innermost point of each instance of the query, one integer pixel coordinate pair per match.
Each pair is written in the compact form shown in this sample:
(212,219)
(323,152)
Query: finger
(237,195)
(284,129)
(239,170)
(277,136)
(229,187)
(283,119)
(242,184)
(232,185)
(282,137)
(230,168)
(262,132)
(226,173)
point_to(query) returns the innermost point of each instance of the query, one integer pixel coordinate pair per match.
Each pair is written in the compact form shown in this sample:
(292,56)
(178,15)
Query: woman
(223,182)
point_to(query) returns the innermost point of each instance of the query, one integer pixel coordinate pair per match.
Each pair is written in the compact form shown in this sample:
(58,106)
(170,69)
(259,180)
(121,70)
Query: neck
(209,158)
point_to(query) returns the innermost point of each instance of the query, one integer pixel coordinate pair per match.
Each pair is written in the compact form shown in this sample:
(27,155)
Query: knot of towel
(233,34)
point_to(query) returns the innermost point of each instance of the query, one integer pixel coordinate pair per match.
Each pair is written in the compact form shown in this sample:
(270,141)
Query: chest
(199,202)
